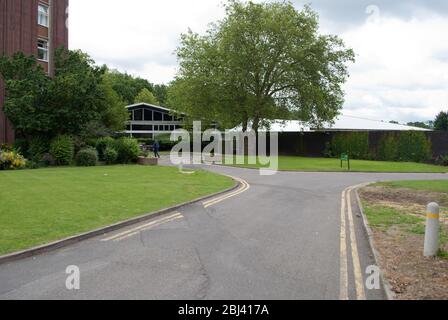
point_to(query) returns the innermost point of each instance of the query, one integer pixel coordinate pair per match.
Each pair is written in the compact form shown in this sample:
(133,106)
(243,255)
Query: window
(138,115)
(43,16)
(42,50)
(158,116)
(148,115)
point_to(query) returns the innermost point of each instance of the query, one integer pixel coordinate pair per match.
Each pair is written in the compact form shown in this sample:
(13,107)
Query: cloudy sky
(401,71)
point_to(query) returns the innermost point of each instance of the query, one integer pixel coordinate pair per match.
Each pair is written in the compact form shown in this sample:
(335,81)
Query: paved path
(279,239)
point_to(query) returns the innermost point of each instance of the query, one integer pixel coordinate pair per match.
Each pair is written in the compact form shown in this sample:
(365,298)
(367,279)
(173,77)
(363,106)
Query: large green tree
(262,61)
(77,95)
(62,104)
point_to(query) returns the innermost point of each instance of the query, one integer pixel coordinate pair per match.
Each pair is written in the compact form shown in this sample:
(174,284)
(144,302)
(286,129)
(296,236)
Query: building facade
(148,121)
(34,27)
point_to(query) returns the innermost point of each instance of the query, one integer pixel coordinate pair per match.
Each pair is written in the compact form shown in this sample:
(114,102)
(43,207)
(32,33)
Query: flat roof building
(341,123)
(148,121)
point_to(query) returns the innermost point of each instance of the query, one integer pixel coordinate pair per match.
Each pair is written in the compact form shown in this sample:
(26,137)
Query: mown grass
(40,206)
(331,165)
(431,185)
(383,217)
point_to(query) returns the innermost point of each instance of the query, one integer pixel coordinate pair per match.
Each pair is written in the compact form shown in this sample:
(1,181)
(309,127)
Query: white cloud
(138,36)
(399,73)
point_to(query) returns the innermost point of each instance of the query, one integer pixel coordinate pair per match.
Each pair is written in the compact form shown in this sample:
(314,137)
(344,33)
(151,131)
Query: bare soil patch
(411,276)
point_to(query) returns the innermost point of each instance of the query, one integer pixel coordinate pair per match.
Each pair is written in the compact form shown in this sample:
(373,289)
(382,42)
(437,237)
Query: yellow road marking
(360,293)
(137,229)
(433,216)
(147,228)
(243,188)
(343,295)
(221,199)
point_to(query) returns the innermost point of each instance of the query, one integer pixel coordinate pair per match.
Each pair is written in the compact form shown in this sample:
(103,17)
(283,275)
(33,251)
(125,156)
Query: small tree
(146,96)
(441,122)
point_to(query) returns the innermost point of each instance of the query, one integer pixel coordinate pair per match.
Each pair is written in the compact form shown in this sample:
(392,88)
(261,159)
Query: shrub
(388,148)
(414,146)
(38,146)
(406,146)
(102,144)
(11,160)
(442,160)
(21,146)
(86,158)
(128,150)
(354,143)
(110,155)
(62,149)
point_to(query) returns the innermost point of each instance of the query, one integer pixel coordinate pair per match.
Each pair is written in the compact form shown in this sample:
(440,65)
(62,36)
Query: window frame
(46,13)
(45,49)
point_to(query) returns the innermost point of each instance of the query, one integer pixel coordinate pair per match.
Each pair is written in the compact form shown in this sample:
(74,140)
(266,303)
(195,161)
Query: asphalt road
(280,239)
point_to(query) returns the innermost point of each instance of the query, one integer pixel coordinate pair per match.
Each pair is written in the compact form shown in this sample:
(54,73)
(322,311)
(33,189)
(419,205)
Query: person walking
(156,149)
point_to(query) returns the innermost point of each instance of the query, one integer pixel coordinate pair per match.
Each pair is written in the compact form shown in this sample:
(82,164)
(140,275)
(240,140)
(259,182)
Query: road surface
(278,237)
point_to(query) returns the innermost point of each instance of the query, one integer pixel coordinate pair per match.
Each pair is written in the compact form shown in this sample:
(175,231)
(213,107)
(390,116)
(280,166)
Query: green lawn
(434,185)
(40,206)
(331,165)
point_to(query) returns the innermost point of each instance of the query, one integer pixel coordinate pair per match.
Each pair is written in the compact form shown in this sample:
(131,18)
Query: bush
(414,146)
(87,157)
(128,150)
(11,160)
(62,149)
(442,160)
(388,148)
(406,146)
(110,155)
(354,143)
(38,146)
(102,144)
(21,146)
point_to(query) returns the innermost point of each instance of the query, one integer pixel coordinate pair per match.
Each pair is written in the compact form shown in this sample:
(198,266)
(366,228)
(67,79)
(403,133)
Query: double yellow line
(347,215)
(244,186)
(134,231)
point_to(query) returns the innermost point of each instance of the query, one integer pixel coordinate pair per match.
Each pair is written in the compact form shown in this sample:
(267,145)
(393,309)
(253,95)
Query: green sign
(345,157)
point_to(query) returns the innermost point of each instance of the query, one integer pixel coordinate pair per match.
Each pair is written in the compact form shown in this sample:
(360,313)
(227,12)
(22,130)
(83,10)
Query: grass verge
(332,165)
(41,206)
(396,212)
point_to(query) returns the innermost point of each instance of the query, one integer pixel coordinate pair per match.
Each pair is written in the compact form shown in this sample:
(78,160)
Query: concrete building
(148,121)
(34,27)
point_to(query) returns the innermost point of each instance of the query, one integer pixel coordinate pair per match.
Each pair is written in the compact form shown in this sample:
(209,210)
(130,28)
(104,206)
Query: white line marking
(343,295)
(177,214)
(360,293)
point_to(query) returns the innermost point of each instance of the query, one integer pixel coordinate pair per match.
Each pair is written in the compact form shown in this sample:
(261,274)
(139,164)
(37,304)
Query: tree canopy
(262,61)
(146,96)
(81,99)
(62,104)
(441,122)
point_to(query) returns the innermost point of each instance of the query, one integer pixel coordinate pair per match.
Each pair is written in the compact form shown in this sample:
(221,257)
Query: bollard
(432,230)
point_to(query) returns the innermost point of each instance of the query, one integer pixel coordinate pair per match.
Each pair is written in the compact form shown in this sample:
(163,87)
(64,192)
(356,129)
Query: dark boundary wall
(313,144)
